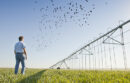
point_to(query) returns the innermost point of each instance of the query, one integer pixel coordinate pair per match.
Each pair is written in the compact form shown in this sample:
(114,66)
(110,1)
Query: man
(19,55)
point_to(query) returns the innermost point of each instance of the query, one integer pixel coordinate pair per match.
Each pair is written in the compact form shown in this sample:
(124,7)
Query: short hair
(21,38)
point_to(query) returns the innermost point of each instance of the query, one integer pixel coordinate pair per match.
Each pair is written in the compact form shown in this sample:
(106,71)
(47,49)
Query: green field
(64,76)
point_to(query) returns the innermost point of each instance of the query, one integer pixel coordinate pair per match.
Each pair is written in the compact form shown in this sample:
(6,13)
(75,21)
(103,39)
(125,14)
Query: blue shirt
(19,46)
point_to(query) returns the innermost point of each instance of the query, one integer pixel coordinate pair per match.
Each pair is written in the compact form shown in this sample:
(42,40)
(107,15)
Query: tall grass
(64,76)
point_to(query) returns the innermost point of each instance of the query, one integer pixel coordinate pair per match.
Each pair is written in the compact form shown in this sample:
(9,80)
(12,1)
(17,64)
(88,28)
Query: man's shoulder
(18,43)
(23,43)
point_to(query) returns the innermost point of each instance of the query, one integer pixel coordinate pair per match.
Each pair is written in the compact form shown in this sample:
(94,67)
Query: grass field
(64,76)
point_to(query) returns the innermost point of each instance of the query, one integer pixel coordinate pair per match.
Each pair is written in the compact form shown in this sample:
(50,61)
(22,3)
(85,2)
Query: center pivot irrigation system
(106,52)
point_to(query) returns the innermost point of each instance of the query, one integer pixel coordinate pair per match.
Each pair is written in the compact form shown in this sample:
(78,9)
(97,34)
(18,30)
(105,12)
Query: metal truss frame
(108,35)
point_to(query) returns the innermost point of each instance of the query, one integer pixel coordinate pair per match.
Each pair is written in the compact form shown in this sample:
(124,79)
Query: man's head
(21,38)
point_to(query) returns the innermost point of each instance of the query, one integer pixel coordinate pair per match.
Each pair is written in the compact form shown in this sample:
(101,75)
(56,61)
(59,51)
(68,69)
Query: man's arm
(25,52)
(14,52)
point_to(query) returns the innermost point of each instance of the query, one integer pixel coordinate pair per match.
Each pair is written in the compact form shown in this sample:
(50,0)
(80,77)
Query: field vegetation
(64,76)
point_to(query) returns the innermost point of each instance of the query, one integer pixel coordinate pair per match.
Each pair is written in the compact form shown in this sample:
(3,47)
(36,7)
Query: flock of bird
(57,13)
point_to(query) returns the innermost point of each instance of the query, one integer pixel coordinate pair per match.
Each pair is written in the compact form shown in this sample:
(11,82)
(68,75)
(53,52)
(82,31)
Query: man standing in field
(20,51)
